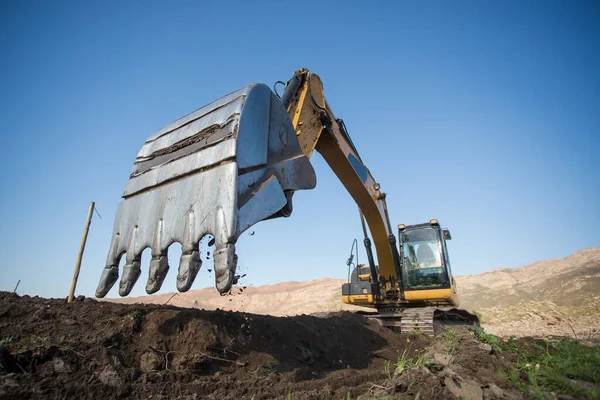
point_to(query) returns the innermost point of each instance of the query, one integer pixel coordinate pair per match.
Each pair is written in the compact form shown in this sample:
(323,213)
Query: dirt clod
(110,377)
(151,362)
(442,359)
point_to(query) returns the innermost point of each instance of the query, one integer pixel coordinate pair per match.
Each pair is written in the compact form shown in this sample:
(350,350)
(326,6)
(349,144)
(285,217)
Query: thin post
(16,287)
(81,249)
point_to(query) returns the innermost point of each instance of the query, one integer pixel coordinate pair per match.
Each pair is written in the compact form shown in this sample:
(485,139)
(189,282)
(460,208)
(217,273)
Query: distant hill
(553,297)
(286,298)
(564,281)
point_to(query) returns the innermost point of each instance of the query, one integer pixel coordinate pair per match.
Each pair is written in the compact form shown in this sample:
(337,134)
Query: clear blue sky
(485,115)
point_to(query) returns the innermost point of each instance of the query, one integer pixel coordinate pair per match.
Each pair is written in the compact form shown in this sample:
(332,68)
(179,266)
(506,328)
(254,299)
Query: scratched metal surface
(218,170)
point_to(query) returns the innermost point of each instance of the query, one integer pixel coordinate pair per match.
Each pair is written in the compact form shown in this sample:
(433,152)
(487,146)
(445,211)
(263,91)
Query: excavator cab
(424,298)
(424,256)
(424,277)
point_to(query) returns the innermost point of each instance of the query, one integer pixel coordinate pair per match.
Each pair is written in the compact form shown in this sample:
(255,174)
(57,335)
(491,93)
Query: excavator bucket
(217,171)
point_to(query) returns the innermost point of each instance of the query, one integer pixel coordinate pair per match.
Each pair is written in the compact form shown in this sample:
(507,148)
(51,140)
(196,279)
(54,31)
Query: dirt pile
(554,297)
(91,349)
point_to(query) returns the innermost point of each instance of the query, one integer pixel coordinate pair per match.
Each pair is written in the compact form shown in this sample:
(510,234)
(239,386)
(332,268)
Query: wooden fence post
(81,248)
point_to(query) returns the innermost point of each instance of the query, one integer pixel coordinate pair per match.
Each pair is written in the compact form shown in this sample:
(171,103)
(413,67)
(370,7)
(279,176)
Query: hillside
(282,299)
(561,280)
(553,297)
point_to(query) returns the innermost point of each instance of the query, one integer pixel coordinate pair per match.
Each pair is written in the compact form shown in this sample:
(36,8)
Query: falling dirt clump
(100,350)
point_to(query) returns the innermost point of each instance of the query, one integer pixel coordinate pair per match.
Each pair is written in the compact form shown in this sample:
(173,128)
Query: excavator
(238,161)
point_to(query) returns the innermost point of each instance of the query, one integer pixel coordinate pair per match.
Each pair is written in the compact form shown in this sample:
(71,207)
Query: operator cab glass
(423,260)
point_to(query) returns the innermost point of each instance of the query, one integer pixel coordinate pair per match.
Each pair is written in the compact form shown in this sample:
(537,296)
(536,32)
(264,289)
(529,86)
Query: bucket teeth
(159,266)
(189,265)
(110,274)
(131,273)
(225,265)
(218,170)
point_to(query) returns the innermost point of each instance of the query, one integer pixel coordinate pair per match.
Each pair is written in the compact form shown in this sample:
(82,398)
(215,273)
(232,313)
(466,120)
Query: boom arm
(317,128)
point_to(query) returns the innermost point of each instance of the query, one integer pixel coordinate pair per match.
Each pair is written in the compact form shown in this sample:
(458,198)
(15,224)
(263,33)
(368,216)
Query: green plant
(488,338)
(561,366)
(404,362)
(5,341)
(509,345)
(449,334)
(514,377)
(387,367)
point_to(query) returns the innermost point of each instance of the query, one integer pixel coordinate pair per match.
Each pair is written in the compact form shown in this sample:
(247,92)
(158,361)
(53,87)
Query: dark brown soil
(91,349)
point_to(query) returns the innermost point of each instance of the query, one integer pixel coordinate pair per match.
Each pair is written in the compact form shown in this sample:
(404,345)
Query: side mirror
(446,233)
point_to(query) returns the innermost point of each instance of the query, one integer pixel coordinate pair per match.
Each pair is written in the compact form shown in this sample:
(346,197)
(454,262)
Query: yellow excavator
(238,161)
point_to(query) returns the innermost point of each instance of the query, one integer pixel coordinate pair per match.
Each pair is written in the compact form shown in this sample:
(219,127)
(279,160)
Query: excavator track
(428,320)
(408,320)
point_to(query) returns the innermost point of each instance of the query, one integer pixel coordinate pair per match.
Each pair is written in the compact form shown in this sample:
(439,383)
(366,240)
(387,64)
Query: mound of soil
(91,349)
